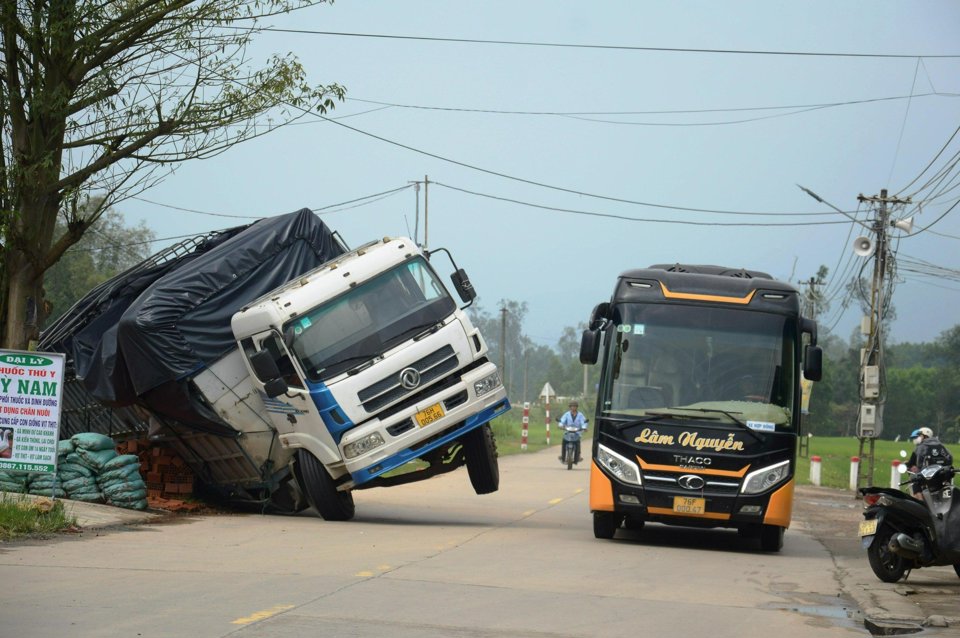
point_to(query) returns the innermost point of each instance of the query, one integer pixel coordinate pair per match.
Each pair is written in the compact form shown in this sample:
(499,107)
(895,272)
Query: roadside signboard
(31,392)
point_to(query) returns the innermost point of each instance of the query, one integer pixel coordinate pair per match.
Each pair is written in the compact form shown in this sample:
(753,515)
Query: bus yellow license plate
(429,415)
(687,505)
(868,528)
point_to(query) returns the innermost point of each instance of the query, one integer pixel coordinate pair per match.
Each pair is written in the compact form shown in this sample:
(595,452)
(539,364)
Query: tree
(103,98)
(107,249)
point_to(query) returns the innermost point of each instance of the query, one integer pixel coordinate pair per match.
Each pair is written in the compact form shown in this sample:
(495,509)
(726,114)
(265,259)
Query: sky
(552,169)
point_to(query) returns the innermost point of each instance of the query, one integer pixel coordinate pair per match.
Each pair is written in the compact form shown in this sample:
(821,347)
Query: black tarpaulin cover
(139,337)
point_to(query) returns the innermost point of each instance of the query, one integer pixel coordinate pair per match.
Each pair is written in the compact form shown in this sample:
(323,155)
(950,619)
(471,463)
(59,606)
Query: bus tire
(606,524)
(480,449)
(321,491)
(771,538)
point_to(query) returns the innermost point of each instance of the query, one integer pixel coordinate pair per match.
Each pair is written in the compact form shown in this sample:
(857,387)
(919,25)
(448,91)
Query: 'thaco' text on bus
(699,401)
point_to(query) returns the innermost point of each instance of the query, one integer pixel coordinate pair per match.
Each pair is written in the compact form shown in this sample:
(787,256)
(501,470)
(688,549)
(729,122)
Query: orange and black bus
(698,407)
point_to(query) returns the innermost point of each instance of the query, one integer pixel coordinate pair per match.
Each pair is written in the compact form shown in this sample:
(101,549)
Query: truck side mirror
(589,347)
(265,367)
(600,313)
(463,286)
(813,363)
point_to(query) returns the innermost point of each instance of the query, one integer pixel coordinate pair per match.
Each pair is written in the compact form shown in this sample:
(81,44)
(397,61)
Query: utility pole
(426,223)
(872,372)
(426,217)
(503,345)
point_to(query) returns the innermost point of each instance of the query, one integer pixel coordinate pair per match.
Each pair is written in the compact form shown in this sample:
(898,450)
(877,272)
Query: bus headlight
(763,479)
(620,466)
(362,446)
(487,384)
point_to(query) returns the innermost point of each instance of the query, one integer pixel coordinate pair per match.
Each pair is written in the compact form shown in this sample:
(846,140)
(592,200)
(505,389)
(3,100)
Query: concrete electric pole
(872,373)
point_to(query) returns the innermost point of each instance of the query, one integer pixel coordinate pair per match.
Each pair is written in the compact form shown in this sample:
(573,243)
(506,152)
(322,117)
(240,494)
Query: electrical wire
(607,47)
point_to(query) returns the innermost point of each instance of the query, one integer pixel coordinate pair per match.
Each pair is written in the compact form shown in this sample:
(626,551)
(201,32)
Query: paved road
(430,559)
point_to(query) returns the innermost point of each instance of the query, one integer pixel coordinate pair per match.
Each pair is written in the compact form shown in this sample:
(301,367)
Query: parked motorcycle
(901,533)
(568,451)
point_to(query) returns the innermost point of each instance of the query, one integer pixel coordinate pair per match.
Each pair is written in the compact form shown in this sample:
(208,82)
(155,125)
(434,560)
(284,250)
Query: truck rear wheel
(480,449)
(321,491)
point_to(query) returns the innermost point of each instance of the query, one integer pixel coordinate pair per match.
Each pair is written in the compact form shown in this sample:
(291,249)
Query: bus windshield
(373,317)
(699,361)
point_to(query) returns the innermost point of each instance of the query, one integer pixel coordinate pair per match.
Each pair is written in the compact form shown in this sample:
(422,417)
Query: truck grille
(387,390)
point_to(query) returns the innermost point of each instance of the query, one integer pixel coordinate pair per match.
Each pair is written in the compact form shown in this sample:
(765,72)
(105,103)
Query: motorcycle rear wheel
(886,565)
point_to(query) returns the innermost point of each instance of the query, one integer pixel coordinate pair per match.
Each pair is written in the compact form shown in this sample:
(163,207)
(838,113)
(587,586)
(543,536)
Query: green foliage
(100,100)
(109,248)
(508,428)
(21,516)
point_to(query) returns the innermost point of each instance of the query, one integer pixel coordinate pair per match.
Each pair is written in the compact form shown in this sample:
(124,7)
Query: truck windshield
(700,362)
(361,324)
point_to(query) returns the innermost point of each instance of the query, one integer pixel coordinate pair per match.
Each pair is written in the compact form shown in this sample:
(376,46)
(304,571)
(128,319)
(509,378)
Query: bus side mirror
(265,367)
(589,347)
(463,286)
(813,363)
(600,313)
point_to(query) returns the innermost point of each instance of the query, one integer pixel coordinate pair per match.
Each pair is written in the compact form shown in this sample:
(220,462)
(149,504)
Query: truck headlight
(620,466)
(763,479)
(487,384)
(362,446)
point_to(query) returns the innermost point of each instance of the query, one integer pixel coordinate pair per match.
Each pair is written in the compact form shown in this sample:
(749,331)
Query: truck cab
(366,364)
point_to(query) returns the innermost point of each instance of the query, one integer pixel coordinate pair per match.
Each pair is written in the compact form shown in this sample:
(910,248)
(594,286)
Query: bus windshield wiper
(646,418)
(730,415)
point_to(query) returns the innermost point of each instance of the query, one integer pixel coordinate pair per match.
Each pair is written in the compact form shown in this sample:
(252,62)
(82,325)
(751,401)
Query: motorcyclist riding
(572,417)
(929,451)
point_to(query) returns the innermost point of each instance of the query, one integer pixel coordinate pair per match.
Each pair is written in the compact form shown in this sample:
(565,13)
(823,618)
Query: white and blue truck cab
(367,363)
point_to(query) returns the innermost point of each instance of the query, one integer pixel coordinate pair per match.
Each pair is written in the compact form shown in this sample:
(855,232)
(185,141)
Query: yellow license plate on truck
(429,415)
(868,528)
(687,505)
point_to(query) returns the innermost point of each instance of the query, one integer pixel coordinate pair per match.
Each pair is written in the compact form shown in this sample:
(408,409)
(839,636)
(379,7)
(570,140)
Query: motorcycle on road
(902,533)
(571,439)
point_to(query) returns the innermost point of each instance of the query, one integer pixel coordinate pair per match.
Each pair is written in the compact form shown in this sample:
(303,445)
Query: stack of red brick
(169,479)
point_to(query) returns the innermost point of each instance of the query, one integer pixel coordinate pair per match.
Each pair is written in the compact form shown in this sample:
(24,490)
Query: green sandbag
(74,468)
(116,489)
(55,493)
(121,461)
(44,480)
(16,488)
(140,504)
(87,497)
(64,447)
(82,484)
(125,473)
(93,442)
(127,497)
(96,458)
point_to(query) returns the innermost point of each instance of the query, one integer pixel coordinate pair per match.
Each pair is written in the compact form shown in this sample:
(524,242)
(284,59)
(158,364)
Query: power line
(550,186)
(606,47)
(632,219)
(644,112)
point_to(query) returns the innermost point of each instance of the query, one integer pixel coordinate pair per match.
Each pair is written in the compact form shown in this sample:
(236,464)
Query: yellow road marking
(261,615)
(364,574)
(555,501)
(529,513)
(578,490)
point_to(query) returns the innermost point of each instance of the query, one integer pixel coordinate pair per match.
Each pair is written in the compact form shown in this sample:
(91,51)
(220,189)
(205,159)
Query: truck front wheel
(480,449)
(321,491)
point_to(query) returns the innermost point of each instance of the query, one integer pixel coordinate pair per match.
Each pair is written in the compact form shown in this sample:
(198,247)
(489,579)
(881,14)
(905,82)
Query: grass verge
(22,517)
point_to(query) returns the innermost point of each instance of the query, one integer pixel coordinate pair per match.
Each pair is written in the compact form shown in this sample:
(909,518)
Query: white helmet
(927,432)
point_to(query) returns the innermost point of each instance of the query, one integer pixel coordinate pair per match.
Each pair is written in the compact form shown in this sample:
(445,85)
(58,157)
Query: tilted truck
(699,402)
(289,371)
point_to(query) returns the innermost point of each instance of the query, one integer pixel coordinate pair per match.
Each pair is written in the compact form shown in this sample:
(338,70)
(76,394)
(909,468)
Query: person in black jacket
(929,451)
